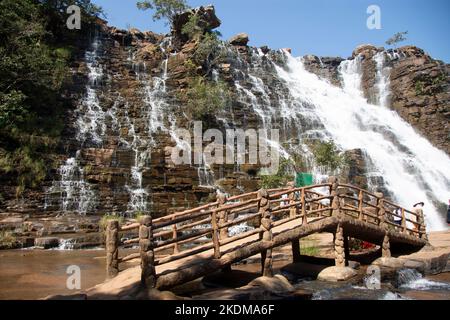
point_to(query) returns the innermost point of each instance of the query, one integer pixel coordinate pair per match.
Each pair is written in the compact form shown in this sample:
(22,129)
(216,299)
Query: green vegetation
(164,9)
(192,28)
(35,50)
(284,175)
(103,223)
(308,249)
(328,155)
(209,51)
(203,98)
(427,85)
(420,87)
(7,240)
(397,38)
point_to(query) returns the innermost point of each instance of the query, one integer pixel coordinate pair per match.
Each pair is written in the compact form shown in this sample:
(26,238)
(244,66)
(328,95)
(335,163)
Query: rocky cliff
(115,155)
(419,86)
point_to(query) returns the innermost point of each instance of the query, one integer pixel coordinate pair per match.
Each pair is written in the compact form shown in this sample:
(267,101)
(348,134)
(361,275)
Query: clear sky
(320,27)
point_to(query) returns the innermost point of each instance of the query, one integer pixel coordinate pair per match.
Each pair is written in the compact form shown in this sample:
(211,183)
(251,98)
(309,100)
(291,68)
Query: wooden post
(303,202)
(339,250)
(146,245)
(215,235)
(175,236)
(112,249)
(381,211)
(360,205)
(266,226)
(223,216)
(403,220)
(386,247)
(293,212)
(335,203)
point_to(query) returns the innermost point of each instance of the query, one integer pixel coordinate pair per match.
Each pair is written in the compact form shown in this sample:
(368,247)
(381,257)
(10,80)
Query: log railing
(213,227)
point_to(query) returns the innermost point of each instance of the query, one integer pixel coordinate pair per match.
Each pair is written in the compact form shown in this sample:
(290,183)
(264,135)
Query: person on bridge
(448,213)
(398,216)
(417,208)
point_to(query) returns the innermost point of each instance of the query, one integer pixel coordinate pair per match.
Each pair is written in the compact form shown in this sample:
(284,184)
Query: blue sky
(320,27)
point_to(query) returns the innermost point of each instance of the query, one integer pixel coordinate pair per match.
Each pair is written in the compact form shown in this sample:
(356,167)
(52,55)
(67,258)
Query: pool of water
(36,274)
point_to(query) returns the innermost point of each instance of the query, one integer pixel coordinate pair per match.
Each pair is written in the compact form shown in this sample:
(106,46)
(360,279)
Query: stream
(35,274)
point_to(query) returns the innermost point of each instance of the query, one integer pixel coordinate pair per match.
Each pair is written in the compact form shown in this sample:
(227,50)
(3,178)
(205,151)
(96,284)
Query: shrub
(192,28)
(327,155)
(281,178)
(103,223)
(7,240)
(209,51)
(204,98)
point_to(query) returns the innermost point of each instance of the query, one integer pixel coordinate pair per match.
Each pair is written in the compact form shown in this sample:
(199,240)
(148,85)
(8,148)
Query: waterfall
(351,75)
(155,109)
(412,168)
(382,80)
(411,279)
(90,123)
(74,193)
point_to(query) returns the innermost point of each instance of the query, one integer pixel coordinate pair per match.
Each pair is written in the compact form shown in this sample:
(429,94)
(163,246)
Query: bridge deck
(200,264)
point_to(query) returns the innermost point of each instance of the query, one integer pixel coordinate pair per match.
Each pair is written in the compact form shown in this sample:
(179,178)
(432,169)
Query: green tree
(397,38)
(164,9)
(328,155)
(35,50)
(204,98)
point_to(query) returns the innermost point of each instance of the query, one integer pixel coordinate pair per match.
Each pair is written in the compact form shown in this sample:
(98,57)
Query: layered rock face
(117,147)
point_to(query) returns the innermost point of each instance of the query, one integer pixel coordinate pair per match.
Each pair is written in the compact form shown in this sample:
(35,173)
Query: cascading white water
(382,81)
(75,194)
(412,168)
(154,116)
(350,72)
(91,125)
(411,279)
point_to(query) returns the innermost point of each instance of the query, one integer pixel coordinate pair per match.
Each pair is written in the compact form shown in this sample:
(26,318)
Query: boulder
(208,20)
(365,50)
(392,263)
(276,284)
(240,39)
(46,243)
(335,274)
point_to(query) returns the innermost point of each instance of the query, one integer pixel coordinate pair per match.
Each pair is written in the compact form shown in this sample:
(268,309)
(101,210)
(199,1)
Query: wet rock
(335,274)
(240,39)
(46,243)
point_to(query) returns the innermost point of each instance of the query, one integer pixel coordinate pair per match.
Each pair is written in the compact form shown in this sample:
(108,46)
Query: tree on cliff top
(164,9)
(397,38)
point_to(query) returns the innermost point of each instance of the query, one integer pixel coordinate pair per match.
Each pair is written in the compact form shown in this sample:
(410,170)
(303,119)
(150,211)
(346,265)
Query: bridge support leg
(266,226)
(346,250)
(386,247)
(148,272)
(112,249)
(339,251)
(296,255)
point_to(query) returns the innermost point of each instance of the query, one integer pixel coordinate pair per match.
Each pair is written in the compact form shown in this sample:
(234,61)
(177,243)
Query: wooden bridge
(185,246)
